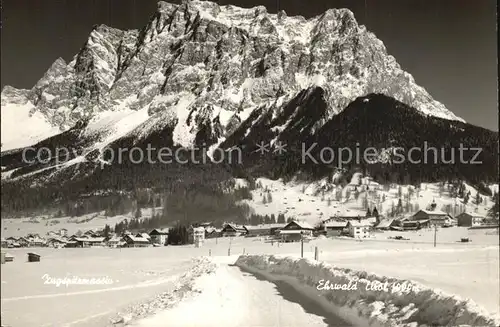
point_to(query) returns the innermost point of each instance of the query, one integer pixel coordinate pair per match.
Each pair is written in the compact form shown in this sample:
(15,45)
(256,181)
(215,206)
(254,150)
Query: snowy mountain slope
(224,57)
(222,76)
(319,200)
(21,112)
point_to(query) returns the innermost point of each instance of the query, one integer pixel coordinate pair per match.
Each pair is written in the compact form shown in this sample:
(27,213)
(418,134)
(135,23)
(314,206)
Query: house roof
(301,224)
(57,239)
(37,240)
(435,212)
(210,229)
(159,231)
(475,215)
(89,239)
(362,223)
(137,239)
(236,227)
(264,226)
(336,224)
(386,223)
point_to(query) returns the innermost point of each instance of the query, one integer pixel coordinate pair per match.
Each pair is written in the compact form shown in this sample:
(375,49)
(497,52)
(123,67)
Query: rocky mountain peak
(233,59)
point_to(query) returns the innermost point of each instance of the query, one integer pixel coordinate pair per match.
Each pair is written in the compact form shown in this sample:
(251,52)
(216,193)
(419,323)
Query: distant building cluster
(348,224)
(355,226)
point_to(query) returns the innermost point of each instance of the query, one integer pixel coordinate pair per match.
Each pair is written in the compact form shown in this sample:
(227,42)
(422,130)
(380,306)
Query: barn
(470,219)
(295,230)
(334,228)
(232,230)
(135,241)
(263,230)
(435,217)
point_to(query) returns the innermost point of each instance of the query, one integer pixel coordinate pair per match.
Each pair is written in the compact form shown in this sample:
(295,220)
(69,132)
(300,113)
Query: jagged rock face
(200,55)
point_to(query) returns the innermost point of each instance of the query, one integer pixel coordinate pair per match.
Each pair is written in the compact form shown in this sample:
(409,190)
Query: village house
(232,230)
(89,233)
(36,241)
(385,224)
(359,228)
(334,228)
(23,242)
(85,242)
(159,236)
(71,243)
(56,242)
(470,219)
(144,235)
(263,230)
(435,217)
(212,232)
(11,239)
(134,241)
(63,232)
(196,235)
(450,222)
(4,243)
(115,241)
(295,230)
(12,242)
(346,215)
(407,223)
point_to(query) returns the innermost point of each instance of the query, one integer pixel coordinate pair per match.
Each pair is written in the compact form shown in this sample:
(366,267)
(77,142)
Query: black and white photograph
(249,163)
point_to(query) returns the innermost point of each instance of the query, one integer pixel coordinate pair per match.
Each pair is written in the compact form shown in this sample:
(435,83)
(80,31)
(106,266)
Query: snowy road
(232,298)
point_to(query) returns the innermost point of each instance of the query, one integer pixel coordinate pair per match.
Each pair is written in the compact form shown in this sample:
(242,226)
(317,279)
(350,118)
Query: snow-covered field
(467,270)
(135,275)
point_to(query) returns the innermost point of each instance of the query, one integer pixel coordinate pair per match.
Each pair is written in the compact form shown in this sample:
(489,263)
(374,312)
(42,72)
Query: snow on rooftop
(362,223)
(336,224)
(264,226)
(434,212)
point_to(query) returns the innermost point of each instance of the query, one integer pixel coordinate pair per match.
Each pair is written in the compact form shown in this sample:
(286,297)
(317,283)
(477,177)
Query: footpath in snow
(369,299)
(230,297)
(267,291)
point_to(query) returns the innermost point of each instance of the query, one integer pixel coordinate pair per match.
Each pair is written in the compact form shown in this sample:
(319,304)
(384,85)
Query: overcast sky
(449,46)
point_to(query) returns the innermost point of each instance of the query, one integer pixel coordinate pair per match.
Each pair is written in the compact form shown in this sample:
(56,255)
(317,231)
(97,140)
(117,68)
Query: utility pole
(435,234)
(301,246)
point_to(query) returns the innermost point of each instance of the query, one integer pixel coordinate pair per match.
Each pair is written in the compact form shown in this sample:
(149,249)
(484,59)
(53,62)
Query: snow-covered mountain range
(203,75)
(214,64)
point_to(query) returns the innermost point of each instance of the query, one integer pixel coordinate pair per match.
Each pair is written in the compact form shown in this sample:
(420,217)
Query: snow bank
(417,305)
(183,289)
